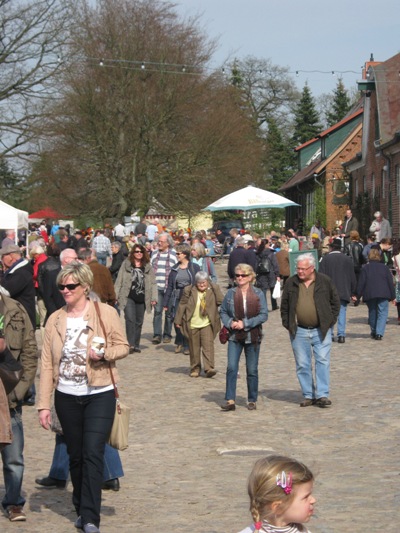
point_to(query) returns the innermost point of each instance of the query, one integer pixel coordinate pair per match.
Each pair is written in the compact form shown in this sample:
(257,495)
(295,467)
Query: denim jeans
(134,316)
(157,320)
(341,323)
(251,352)
(13,462)
(60,466)
(378,310)
(102,258)
(86,423)
(305,343)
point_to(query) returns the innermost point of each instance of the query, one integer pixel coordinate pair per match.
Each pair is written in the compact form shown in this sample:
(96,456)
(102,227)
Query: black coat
(267,280)
(18,281)
(339,268)
(239,255)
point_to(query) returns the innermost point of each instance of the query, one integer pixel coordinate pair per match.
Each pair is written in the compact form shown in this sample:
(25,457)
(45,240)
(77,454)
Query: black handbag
(11,371)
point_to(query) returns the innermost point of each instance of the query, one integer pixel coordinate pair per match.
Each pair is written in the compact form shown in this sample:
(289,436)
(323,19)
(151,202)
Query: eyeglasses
(180,253)
(303,269)
(137,252)
(241,275)
(69,286)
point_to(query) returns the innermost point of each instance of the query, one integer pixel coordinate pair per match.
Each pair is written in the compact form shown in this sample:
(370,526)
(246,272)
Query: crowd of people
(69,284)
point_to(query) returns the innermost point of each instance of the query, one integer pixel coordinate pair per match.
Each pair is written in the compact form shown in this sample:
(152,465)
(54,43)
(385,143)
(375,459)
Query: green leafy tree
(279,158)
(307,123)
(340,105)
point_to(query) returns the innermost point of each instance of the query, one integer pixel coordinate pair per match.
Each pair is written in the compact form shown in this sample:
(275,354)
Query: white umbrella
(250,198)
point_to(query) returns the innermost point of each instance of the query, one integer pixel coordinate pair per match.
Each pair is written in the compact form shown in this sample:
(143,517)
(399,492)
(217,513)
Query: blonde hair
(263,489)
(80,273)
(246,269)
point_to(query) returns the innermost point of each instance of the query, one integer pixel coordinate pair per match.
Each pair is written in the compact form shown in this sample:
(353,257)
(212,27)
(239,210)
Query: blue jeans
(157,320)
(378,310)
(251,352)
(134,316)
(341,323)
(60,466)
(305,343)
(102,257)
(13,462)
(86,422)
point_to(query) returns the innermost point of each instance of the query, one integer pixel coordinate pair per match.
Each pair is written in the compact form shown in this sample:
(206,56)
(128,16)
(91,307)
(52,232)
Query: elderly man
(381,227)
(162,260)
(350,224)
(102,246)
(20,338)
(9,238)
(18,279)
(309,308)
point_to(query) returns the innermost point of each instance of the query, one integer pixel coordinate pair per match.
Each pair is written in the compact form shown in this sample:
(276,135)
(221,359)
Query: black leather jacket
(354,249)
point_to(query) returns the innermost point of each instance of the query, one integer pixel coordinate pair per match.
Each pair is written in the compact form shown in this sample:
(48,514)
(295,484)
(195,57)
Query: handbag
(11,371)
(276,293)
(55,425)
(120,429)
(224,335)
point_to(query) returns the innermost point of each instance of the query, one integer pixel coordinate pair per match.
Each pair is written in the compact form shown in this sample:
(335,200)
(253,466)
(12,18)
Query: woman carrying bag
(84,393)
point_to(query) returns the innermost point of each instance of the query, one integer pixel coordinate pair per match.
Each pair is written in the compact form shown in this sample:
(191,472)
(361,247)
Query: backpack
(264,266)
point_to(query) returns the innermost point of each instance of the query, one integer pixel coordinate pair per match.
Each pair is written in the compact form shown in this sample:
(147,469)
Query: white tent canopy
(250,198)
(12,218)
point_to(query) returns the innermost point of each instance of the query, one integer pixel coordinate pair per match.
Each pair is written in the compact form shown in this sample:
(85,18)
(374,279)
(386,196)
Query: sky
(302,35)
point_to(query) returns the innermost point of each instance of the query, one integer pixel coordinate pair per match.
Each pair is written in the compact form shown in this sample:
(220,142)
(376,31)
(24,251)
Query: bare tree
(142,117)
(31,53)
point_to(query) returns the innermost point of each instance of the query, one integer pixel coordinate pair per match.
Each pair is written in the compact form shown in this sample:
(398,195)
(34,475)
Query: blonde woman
(243,312)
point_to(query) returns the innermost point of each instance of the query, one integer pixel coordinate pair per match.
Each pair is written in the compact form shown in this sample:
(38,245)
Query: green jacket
(20,338)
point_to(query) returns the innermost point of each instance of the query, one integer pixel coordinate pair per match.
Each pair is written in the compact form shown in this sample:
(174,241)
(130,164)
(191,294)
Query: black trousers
(86,422)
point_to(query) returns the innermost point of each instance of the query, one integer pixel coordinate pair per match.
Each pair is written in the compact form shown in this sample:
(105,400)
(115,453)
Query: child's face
(301,508)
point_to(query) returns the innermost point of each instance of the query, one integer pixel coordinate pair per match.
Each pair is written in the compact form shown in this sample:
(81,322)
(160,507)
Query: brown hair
(374,255)
(145,257)
(354,235)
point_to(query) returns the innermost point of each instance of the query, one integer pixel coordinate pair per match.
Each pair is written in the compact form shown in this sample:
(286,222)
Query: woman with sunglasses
(136,291)
(243,312)
(84,394)
(182,274)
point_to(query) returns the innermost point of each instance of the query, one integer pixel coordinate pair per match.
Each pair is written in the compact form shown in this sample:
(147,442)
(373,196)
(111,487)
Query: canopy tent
(250,198)
(45,213)
(12,218)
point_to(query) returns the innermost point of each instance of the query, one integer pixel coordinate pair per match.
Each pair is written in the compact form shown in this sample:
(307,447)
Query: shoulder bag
(120,429)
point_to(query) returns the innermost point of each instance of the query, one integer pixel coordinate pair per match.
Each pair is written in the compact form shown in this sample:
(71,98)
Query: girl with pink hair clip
(281,500)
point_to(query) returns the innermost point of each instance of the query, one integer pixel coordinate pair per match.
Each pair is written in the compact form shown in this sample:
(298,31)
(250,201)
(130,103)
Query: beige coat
(188,303)
(98,373)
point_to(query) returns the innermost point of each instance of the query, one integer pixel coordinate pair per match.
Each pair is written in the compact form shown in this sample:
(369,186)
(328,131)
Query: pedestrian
(199,320)
(117,259)
(281,499)
(204,261)
(84,394)
(243,311)
(376,288)
(350,224)
(267,271)
(136,291)
(380,227)
(309,308)
(354,249)
(102,247)
(396,266)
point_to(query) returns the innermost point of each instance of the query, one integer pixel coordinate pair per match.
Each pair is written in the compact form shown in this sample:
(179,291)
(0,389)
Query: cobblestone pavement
(187,464)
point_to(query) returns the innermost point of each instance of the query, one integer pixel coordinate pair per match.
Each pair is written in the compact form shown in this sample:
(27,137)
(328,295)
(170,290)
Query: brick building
(375,170)
(321,178)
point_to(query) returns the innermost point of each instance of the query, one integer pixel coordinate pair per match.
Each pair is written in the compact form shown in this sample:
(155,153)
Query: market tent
(250,198)
(12,218)
(45,213)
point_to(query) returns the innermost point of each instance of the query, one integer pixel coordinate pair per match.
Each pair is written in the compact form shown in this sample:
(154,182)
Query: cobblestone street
(187,464)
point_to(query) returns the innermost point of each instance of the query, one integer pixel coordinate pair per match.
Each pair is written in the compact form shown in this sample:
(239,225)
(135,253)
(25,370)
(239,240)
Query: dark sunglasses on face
(137,252)
(241,275)
(69,286)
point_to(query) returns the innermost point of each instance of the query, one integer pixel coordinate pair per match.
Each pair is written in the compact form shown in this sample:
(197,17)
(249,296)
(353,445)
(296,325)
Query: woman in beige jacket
(84,394)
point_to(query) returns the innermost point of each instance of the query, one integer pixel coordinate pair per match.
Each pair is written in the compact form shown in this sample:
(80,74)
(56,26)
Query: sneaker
(252,406)
(15,513)
(90,528)
(156,339)
(167,340)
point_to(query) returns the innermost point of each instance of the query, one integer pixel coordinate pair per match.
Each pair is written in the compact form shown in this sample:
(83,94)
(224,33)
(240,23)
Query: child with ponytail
(281,500)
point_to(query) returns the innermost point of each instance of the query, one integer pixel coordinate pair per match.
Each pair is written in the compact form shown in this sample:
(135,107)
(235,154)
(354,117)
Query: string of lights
(193,70)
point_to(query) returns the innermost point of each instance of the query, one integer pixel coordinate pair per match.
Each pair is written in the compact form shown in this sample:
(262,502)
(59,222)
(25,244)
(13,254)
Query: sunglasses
(69,286)
(241,275)
(137,252)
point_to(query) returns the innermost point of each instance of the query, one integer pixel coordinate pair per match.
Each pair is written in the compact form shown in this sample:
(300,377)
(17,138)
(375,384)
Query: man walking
(309,308)
(340,269)
(350,224)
